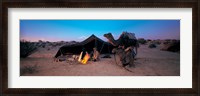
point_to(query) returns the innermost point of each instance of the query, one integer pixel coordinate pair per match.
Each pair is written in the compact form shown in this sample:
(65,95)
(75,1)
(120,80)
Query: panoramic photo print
(99,47)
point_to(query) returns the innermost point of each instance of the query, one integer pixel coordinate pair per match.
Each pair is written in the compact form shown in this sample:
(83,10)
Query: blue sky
(78,30)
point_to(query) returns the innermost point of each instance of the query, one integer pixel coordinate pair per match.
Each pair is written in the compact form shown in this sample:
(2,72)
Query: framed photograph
(100,47)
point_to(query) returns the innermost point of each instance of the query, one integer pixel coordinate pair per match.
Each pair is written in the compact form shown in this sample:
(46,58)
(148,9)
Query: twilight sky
(78,30)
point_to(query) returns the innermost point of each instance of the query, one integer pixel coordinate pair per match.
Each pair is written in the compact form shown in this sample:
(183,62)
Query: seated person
(83,53)
(95,54)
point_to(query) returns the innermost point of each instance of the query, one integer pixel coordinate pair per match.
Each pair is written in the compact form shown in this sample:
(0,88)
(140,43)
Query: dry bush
(152,45)
(43,45)
(157,42)
(172,46)
(26,48)
(149,40)
(142,41)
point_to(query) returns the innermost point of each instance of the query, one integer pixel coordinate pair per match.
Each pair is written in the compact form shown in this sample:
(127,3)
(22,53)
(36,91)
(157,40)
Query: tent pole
(108,49)
(102,47)
(61,52)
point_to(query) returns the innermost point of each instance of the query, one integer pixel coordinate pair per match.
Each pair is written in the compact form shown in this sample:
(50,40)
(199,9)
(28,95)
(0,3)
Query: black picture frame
(194,4)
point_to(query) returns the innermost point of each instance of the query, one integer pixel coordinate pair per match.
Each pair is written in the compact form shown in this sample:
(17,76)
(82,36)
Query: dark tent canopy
(88,44)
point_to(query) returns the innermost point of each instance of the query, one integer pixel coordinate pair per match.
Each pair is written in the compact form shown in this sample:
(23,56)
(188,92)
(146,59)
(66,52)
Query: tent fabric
(88,44)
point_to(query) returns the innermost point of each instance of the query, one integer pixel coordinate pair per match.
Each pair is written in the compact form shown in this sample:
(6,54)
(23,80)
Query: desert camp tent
(88,44)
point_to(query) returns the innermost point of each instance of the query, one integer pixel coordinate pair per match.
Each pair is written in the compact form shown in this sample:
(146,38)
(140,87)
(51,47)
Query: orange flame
(85,59)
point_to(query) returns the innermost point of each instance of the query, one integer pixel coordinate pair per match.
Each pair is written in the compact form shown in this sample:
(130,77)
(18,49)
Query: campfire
(85,59)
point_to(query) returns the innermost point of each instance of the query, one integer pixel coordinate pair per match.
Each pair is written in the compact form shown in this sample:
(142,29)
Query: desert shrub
(53,44)
(142,41)
(66,42)
(50,44)
(40,41)
(152,45)
(173,47)
(43,45)
(166,41)
(28,69)
(38,44)
(149,40)
(156,42)
(62,42)
(26,48)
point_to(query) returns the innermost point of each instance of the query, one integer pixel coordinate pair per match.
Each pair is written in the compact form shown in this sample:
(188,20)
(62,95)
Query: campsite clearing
(149,62)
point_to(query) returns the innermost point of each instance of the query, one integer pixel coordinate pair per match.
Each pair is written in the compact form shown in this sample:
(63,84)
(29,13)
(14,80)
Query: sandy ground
(149,62)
